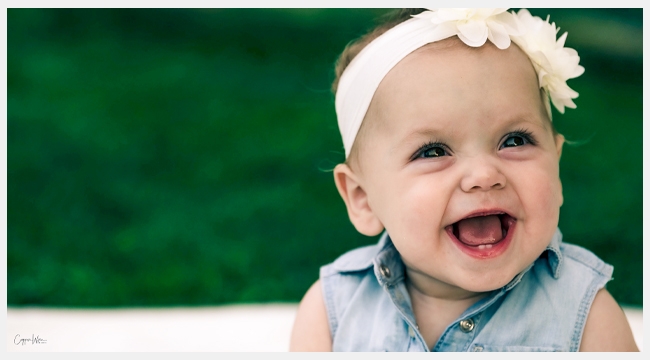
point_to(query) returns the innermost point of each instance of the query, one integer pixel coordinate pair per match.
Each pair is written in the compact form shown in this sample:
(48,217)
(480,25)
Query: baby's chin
(461,283)
(488,280)
(484,286)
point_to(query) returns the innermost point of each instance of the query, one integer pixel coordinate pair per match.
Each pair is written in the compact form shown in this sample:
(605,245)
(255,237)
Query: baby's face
(462,133)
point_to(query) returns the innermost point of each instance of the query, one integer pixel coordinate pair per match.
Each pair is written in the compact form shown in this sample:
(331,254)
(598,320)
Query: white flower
(473,26)
(554,63)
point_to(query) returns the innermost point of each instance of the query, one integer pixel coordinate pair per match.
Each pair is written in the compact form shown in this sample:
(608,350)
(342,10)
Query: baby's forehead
(447,82)
(449,69)
(456,53)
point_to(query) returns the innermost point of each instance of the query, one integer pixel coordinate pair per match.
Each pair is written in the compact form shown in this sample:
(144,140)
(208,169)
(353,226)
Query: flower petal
(510,22)
(473,33)
(524,16)
(540,78)
(579,70)
(498,35)
(557,102)
(570,104)
(497,11)
(446,14)
(561,40)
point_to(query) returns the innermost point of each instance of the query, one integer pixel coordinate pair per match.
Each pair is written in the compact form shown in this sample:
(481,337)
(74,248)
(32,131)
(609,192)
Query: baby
(451,153)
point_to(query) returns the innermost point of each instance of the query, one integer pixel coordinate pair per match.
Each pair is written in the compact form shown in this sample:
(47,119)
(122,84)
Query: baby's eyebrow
(435,134)
(422,132)
(529,120)
(416,137)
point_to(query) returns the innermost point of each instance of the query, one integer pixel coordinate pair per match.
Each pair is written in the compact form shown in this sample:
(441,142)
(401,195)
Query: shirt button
(385,271)
(466,325)
(411,332)
(478,348)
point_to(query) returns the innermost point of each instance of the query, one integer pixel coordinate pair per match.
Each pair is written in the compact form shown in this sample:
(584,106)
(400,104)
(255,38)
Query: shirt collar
(554,255)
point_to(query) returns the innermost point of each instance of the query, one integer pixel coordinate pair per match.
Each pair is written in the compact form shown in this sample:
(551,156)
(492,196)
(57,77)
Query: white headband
(537,38)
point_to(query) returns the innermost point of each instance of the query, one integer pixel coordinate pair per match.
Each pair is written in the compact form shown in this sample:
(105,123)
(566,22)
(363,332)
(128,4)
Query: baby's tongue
(480,230)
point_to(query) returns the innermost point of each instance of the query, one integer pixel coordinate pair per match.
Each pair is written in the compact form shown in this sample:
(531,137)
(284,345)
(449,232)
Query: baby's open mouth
(482,232)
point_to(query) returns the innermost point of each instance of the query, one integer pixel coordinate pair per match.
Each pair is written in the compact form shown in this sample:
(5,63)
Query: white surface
(227,328)
(249,328)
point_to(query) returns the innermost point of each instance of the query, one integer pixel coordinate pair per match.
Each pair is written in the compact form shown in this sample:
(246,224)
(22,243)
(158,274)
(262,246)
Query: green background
(163,157)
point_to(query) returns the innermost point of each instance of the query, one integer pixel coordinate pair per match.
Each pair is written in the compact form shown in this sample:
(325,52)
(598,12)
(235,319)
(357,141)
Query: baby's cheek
(555,189)
(418,210)
(549,197)
(426,198)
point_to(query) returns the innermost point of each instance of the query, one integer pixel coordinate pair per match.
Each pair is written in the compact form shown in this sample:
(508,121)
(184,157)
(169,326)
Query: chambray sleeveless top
(544,308)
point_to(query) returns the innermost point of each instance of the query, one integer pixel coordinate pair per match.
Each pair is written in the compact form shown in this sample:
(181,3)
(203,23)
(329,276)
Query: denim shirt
(544,308)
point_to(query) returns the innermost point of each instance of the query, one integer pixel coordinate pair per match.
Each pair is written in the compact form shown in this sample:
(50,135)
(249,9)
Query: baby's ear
(559,141)
(356,201)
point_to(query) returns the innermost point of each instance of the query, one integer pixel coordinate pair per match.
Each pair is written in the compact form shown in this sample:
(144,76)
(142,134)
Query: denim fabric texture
(544,308)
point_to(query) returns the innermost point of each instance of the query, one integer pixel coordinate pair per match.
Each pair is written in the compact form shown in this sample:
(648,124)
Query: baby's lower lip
(484,251)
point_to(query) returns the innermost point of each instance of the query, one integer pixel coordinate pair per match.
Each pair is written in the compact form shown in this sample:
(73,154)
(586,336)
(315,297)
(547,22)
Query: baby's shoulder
(579,258)
(567,269)
(355,260)
(353,295)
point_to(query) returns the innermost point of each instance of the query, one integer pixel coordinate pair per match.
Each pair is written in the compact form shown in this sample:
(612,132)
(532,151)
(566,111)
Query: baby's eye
(517,139)
(432,151)
(514,141)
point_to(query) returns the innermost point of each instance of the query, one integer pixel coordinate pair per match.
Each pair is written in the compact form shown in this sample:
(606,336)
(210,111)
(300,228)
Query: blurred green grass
(180,157)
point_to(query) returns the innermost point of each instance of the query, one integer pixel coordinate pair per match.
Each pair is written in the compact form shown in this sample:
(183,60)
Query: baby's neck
(436,305)
(426,286)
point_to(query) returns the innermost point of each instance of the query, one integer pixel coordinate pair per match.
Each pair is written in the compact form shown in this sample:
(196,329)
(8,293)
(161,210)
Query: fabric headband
(553,62)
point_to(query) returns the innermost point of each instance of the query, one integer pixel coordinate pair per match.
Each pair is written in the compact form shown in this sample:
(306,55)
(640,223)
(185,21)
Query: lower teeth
(483,247)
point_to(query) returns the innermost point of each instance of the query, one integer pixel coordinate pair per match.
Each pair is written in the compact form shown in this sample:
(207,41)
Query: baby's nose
(482,175)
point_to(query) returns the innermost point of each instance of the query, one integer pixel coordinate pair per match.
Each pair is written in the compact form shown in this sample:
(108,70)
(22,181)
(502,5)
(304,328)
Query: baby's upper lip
(483,212)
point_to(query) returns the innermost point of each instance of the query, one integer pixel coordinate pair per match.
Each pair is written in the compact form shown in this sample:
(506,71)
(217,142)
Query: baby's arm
(311,329)
(607,328)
